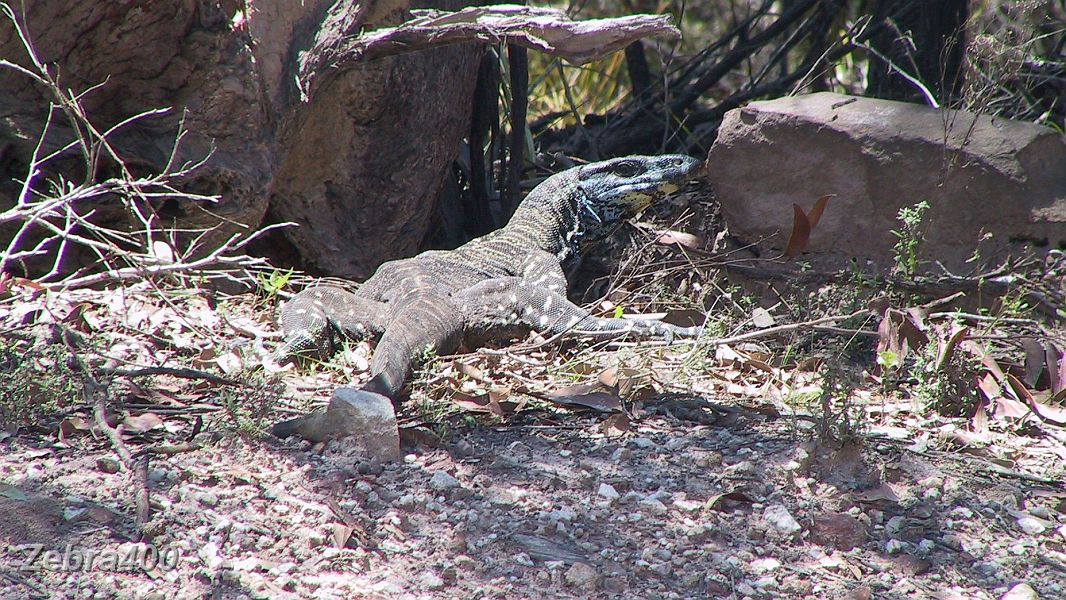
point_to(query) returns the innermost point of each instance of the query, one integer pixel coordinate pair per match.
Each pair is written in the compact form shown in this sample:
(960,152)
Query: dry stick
(96,395)
(175,372)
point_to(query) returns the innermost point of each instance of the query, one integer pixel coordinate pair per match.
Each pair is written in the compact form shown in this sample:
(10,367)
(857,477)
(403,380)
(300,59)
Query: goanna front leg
(314,320)
(517,301)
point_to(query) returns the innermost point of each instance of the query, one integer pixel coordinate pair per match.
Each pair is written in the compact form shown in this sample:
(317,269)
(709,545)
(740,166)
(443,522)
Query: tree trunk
(357,166)
(927,42)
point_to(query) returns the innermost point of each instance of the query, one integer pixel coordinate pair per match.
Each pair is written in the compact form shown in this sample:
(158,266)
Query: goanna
(510,278)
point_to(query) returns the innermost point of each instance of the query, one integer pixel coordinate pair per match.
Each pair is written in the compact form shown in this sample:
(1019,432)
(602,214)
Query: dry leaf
(688,240)
(481,403)
(801,233)
(587,395)
(615,425)
(142,422)
(761,318)
(816,211)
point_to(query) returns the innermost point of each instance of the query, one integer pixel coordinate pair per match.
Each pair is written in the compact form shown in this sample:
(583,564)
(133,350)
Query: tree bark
(358,165)
(927,41)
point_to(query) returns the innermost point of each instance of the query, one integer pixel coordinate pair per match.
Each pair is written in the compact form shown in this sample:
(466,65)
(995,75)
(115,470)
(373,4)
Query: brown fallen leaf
(142,422)
(801,233)
(679,238)
(879,493)
(481,403)
(595,396)
(615,425)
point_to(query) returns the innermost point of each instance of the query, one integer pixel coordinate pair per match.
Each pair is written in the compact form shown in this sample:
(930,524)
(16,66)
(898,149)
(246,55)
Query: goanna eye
(627,168)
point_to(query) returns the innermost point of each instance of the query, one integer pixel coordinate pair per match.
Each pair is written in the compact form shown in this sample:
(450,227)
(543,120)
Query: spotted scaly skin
(511,278)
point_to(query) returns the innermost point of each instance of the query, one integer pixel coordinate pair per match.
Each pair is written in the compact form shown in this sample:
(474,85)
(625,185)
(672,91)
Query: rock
(431,581)
(1022,591)
(441,482)
(614,585)
(653,505)
(877,156)
(764,565)
(607,491)
(582,575)
(838,530)
(1031,525)
(780,519)
(108,465)
(910,566)
(362,419)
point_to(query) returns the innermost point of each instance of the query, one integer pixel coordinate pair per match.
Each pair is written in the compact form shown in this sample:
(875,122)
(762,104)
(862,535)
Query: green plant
(945,385)
(908,237)
(249,407)
(37,382)
(840,420)
(274,282)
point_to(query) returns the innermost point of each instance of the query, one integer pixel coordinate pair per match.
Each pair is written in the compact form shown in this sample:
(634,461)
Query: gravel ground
(709,494)
(670,509)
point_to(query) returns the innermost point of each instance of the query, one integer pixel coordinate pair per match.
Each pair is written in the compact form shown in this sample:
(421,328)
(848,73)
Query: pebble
(654,506)
(581,575)
(1022,591)
(779,517)
(442,481)
(764,565)
(607,491)
(431,580)
(1031,525)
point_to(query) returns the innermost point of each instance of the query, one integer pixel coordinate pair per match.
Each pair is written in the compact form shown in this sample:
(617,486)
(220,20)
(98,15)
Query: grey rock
(582,575)
(978,173)
(362,419)
(780,519)
(441,482)
(1022,591)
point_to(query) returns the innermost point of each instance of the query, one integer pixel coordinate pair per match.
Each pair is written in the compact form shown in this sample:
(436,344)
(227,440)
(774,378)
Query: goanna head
(614,191)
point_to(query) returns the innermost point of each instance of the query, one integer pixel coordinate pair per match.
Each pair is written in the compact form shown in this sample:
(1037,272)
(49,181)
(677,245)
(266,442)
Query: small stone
(614,585)
(582,575)
(653,506)
(607,491)
(362,419)
(764,565)
(1031,525)
(838,530)
(1022,591)
(107,465)
(442,481)
(779,518)
(431,581)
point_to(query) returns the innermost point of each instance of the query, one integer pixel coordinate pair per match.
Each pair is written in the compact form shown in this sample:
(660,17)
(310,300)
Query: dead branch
(49,224)
(174,372)
(547,30)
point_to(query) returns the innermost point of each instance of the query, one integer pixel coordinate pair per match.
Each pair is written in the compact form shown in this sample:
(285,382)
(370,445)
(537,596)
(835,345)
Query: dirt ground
(701,490)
